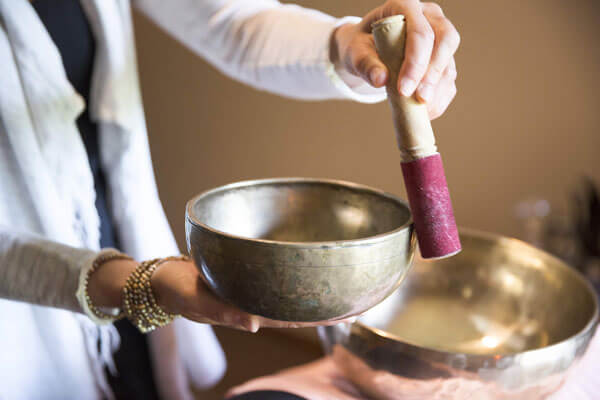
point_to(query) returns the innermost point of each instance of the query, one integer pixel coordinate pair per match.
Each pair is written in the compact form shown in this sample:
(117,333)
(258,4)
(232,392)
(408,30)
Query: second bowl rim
(590,325)
(329,244)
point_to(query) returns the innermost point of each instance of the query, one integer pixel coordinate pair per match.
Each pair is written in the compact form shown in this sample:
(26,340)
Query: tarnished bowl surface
(299,249)
(500,320)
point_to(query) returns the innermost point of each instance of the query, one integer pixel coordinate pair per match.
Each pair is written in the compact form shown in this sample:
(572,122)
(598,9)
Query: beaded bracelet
(98,262)
(139,302)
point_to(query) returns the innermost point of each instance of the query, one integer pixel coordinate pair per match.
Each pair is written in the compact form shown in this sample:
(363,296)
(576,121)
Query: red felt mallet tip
(431,207)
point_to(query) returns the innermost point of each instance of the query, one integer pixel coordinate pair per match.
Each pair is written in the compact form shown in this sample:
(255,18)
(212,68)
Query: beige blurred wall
(524,122)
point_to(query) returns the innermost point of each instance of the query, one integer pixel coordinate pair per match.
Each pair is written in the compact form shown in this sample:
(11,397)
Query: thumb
(366,64)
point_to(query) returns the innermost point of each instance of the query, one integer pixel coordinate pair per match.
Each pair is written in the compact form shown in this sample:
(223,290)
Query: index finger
(419,46)
(271,323)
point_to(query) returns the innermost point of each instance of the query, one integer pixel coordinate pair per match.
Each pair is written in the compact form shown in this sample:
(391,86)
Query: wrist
(337,41)
(172,283)
(334,54)
(105,286)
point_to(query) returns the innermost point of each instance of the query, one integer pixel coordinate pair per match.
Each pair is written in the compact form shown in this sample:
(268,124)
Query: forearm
(39,271)
(284,49)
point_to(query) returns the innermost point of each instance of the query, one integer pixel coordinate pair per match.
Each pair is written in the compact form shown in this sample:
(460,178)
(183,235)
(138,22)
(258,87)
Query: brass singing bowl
(500,320)
(298,249)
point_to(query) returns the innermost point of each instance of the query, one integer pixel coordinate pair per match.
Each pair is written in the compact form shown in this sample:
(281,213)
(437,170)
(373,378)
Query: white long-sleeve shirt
(48,222)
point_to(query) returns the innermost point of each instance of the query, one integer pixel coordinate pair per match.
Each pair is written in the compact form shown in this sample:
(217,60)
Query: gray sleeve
(40,271)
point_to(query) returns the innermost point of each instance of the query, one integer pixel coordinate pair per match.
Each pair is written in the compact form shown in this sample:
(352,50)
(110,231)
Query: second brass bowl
(500,320)
(299,249)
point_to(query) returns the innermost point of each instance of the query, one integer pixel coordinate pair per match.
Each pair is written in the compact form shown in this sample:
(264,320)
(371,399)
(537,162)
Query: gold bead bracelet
(98,262)
(139,301)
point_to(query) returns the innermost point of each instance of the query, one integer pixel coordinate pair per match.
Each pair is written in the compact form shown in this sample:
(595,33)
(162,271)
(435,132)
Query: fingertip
(253,325)
(378,77)
(245,322)
(425,93)
(407,86)
(235,391)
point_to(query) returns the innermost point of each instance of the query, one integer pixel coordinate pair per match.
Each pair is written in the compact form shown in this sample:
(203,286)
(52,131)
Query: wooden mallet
(422,166)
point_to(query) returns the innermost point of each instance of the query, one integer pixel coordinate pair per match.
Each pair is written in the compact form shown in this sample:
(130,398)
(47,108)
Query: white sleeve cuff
(87,264)
(351,86)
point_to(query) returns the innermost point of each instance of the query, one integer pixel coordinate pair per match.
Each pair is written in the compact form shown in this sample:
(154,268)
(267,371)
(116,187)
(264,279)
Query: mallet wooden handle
(411,120)
(422,167)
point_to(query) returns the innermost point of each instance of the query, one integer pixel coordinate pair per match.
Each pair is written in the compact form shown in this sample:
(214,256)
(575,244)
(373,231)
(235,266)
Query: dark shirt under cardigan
(69,29)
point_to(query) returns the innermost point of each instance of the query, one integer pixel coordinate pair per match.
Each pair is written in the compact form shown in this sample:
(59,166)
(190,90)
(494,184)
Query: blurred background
(516,142)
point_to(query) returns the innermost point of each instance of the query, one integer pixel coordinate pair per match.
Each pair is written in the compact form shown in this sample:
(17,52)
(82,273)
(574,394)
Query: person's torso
(50,158)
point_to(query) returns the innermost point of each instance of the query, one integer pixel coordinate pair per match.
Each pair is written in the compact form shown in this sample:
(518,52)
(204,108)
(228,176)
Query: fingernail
(254,324)
(377,76)
(425,92)
(245,326)
(407,86)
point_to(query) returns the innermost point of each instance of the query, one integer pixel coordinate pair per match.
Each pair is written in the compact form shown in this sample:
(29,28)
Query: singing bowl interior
(299,210)
(498,296)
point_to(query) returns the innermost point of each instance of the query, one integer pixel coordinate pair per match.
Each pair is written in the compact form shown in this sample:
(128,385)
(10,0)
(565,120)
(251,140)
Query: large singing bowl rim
(484,358)
(333,244)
